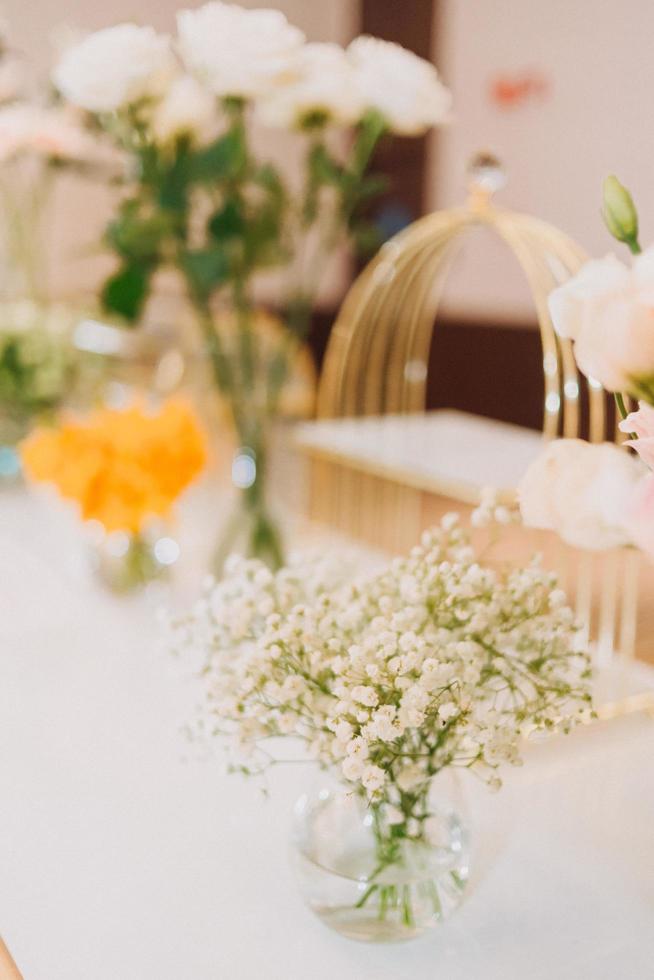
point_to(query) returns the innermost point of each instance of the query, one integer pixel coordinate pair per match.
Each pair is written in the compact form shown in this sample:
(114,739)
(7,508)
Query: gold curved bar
(377,361)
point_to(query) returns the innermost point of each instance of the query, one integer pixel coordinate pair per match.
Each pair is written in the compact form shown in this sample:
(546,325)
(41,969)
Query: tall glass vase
(251,528)
(249,353)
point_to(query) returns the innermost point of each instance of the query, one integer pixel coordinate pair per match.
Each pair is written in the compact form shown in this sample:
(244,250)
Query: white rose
(607,309)
(322,85)
(187,109)
(115,67)
(28,128)
(237,52)
(404,88)
(580,491)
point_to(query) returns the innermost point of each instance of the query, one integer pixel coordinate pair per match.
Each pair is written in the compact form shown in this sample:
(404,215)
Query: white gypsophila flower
(114,68)
(320,89)
(373,778)
(46,132)
(581,491)
(186,109)
(402,87)
(237,52)
(389,690)
(353,767)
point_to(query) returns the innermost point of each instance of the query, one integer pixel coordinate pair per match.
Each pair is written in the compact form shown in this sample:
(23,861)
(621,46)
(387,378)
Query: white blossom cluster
(225,51)
(434,662)
(493,510)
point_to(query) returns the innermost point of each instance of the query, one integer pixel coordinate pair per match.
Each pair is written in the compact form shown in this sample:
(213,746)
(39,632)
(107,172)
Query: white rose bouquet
(434,662)
(596,496)
(205,202)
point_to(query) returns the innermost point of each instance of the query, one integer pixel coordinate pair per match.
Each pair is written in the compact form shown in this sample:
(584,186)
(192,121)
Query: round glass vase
(126,562)
(366,879)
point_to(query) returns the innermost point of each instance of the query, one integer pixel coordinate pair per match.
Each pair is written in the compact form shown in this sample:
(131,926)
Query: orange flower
(121,467)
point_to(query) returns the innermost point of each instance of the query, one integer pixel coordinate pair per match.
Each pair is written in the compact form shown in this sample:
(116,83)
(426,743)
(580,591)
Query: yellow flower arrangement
(121,467)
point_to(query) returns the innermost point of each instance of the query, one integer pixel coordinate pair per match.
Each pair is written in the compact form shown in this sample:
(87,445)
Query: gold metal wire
(376,364)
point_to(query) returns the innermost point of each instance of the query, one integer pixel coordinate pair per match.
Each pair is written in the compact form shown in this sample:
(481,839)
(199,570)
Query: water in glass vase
(374,886)
(251,530)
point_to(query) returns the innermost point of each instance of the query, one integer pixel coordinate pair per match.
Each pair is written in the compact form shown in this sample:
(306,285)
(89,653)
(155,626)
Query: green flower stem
(331,233)
(389,852)
(619,400)
(366,895)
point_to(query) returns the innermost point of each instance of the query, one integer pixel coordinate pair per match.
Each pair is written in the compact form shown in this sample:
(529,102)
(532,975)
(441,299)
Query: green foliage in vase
(202,198)
(36,361)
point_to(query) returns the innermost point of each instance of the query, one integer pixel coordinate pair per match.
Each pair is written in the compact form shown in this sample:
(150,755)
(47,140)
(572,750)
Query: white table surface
(127,855)
(452,452)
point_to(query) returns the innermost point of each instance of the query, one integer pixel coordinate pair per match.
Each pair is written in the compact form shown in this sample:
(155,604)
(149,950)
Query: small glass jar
(349,882)
(13,428)
(126,562)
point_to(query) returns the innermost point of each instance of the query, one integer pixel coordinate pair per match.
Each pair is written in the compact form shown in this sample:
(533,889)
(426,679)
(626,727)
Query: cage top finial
(486,175)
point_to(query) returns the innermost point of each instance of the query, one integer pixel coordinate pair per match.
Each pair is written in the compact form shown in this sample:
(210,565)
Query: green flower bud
(620,213)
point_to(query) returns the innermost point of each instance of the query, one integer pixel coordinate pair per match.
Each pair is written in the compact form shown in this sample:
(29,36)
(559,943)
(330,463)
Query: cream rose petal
(597,278)
(114,67)
(405,89)
(236,51)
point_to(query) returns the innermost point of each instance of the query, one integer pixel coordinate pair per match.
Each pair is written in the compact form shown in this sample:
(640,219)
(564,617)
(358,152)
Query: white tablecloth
(126,855)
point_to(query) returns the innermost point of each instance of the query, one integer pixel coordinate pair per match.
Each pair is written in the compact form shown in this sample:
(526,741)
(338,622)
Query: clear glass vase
(127,562)
(251,529)
(364,878)
(12,430)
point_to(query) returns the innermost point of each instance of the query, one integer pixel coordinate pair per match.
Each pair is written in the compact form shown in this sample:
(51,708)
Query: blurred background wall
(528,80)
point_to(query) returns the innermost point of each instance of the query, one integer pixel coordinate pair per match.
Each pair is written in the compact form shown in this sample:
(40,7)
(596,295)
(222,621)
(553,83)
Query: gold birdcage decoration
(372,402)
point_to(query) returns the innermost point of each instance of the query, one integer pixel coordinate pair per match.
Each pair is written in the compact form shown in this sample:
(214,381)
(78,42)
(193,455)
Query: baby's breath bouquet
(435,662)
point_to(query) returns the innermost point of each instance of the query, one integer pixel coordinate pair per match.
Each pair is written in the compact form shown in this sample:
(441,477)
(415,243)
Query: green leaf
(223,159)
(148,164)
(268,178)
(136,238)
(125,292)
(173,189)
(263,237)
(323,168)
(229,221)
(206,269)
(372,186)
(367,238)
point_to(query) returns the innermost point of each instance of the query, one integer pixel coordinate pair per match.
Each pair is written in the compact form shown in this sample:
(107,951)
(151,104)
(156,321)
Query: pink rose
(607,309)
(641,424)
(582,491)
(641,518)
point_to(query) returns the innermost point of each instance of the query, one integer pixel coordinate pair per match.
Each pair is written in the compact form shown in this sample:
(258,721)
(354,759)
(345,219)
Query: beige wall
(80,211)
(597,56)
